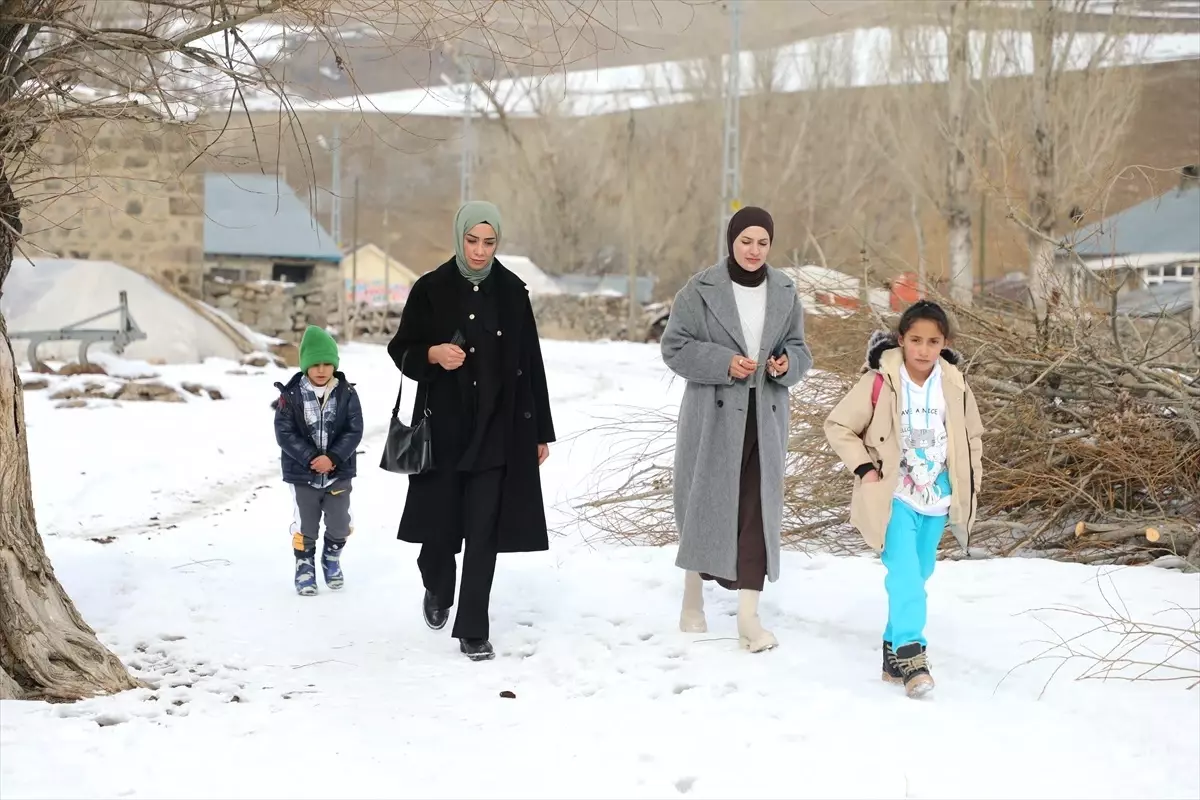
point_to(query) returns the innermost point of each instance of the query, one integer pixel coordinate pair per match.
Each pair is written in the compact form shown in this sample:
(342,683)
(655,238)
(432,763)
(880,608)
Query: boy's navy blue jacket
(296,441)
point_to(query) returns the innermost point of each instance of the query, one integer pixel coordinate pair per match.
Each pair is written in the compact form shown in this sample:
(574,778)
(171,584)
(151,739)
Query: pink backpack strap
(876,388)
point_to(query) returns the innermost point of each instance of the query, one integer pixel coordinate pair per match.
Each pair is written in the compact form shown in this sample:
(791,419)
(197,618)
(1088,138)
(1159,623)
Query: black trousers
(479,511)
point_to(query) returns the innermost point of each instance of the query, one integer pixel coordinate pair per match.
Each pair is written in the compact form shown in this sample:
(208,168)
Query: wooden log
(1193,556)
(1166,532)
(1110,533)
(1176,540)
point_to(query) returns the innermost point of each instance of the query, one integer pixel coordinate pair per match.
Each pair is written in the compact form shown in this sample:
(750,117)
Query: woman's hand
(447,356)
(741,367)
(778,366)
(543,453)
(871,477)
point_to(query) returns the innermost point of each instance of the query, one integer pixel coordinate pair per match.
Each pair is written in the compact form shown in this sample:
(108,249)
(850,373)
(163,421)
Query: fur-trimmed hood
(882,341)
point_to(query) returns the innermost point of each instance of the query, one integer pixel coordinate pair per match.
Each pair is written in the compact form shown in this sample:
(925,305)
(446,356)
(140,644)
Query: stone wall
(579,318)
(590,318)
(118,192)
(273,308)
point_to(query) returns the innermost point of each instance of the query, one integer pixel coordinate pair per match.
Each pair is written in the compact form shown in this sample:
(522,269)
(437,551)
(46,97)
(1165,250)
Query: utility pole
(632,242)
(731,167)
(387,256)
(354,264)
(354,252)
(335,208)
(464,167)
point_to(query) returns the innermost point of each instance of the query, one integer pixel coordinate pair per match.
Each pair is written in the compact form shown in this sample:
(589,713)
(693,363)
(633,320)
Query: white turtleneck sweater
(752,312)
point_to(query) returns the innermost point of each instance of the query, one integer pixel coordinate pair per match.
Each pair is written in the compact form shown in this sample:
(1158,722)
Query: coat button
(528,415)
(499,333)
(772,407)
(519,373)
(476,289)
(720,404)
(471,317)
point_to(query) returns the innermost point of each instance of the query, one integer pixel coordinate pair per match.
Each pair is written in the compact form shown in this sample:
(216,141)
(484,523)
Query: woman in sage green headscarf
(468,337)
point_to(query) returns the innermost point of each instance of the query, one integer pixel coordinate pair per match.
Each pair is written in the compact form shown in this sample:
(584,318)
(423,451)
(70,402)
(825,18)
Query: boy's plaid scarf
(320,420)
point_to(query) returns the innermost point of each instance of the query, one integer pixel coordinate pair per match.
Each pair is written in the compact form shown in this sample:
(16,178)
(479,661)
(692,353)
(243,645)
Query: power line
(731,166)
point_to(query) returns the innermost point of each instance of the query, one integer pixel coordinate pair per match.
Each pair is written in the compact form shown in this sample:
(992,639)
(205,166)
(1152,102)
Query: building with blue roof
(1154,242)
(256,228)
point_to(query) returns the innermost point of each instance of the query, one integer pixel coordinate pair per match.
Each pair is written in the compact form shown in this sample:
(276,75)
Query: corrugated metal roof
(250,214)
(1161,299)
(1169,223)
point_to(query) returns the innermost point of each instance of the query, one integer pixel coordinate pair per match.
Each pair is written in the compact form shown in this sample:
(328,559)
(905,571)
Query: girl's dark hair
(925,309)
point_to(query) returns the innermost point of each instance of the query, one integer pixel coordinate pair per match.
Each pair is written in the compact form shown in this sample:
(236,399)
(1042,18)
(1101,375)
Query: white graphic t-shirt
(924,481)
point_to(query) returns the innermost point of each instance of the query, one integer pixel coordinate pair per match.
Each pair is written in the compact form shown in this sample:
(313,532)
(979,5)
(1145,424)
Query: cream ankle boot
(751,634)
(691,619)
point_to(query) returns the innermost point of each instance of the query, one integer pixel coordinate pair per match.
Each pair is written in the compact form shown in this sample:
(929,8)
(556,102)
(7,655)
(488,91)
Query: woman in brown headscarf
(736,335)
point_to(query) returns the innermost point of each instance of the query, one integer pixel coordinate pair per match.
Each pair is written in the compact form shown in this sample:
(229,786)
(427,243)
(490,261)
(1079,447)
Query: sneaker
(306,573)
(331,564)
(914,669)
(477,649)
(891,670)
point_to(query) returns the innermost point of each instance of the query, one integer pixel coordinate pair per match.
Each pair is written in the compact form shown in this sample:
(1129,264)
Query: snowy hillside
(168,525)
(853,58)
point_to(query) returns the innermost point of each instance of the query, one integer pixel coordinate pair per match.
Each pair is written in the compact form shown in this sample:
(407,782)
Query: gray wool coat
(703,334)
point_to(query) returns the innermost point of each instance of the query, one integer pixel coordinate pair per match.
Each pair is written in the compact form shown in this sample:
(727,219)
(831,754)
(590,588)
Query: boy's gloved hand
(321,465)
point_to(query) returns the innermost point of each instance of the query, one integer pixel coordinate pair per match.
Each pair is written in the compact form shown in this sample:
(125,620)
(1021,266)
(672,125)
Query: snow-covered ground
(168,525)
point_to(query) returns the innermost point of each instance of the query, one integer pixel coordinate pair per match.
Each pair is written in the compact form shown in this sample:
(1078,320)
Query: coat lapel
(716,287)
(781,295)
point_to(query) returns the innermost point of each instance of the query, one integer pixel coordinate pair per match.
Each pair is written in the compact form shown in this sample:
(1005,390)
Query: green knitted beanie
(317,347)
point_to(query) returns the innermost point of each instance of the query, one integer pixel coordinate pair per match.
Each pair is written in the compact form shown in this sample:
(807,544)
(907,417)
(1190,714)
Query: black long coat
(431,316)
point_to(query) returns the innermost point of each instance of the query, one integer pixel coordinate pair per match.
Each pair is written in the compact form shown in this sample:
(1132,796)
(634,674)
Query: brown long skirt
(752,541)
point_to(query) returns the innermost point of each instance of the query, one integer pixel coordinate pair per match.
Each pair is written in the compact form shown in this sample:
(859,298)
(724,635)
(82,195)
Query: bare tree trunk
(919,231)
(47,651)
(1196,301)
(1041,203)
(958,215)
(632,243)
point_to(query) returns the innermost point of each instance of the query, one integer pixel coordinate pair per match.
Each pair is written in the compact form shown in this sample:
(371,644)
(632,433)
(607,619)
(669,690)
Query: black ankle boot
(477,649)
(435,617)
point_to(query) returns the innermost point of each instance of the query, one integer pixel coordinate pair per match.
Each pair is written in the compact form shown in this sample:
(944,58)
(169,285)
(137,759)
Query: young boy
(910,432)
(319,425)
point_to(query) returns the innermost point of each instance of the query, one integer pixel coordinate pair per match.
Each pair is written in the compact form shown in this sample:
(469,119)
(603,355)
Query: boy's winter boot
(691,619)
(306,572)
(751,634)
(891,669)
(914,669)
(331,564)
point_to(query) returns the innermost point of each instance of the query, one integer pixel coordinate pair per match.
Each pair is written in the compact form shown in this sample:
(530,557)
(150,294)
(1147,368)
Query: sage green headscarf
(470,215)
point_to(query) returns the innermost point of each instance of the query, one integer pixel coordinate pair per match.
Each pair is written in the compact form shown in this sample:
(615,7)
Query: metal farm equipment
(126,332)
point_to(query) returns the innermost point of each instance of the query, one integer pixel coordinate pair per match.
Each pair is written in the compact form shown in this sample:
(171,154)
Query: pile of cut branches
(1091,452)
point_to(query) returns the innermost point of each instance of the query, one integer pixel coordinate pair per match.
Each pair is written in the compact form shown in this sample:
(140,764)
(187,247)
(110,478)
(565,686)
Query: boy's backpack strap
(876,388)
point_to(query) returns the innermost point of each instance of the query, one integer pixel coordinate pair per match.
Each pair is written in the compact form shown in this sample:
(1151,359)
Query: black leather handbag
(409,448)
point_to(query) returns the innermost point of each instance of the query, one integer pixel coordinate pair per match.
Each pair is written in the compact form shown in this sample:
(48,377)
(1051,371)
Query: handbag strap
(400,394)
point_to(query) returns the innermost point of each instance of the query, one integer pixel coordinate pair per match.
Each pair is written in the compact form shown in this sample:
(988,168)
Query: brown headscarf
(748,217)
